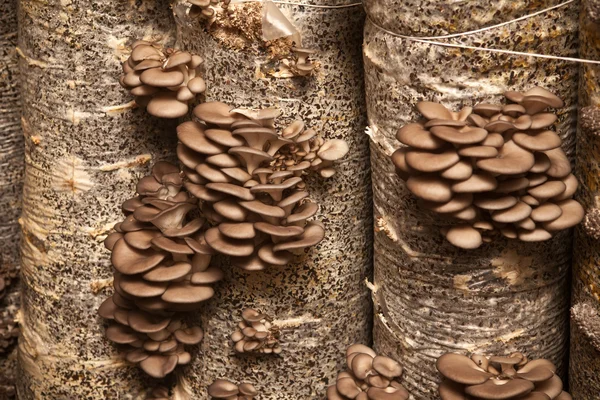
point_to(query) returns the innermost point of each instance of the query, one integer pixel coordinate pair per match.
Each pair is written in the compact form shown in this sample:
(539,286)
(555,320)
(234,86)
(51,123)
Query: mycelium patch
(498,164)
(481,377)
(162,80)
(369,377)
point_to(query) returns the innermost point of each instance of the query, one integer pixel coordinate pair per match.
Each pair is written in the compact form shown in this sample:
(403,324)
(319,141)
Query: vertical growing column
(11,181)
(321,303)
(86,146)
(585,321)
(432,298)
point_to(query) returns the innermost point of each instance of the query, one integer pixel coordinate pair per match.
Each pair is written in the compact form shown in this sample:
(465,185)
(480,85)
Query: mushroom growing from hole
(256,334)
(506,158)
(481,377)
(162,80)
(369,377)
(161,263)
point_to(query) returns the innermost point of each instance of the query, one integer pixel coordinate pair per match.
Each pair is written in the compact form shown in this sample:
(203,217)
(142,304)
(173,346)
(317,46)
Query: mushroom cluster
(249,179)
(256,334)
(369,377)
(496,168)
(499,378)
(162,268)
(162,80)
(302,64)
(227,390)
(204,8)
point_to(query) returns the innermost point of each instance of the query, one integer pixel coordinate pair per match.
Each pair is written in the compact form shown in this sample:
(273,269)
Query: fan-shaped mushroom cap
(166,105)
(193,335)
(230,209)
(460,171)
(431,110)
(231,189)
(511,160)
(302,213)
(430,187)
(547,190)
(347,387)
(387,367)
(572,214)
(493,203)
(461,369)
(267,254)
(571,185)
(146,323)
(546,212)
(107,308)
(159,78)
(129,260)
(512,185)
(545,140)
(251,157)
(136,356)
(487,110)
(140,288)
(166,273)
(541,121)
(211,174)
(224,137)
(121,334)
(535,235)
(257,136)
(403,170)
(238,174)
(389,393)
(360,348)
(223,160)
(278,230)
(228,246)
(445,122)
(333,150)
(478,182)
(516,213)
(415,136)
(186,293)
(263,209)
(465,135)
(210,275)
(217,113)
(112,239)
(459,202)
(293,130)
(141,240)
(560,166)
(222,388)
(493,140)
(450,390)
(431,162)
(171,246)
(496,389)
(313,234)
(244,230)
(191,134)
(552,100)
(478,151)
(247,389)
(464,236)
(158,366)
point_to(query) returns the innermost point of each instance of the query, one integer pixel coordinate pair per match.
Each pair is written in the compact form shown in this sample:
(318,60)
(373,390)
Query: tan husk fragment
(256,334)
(249,179)
(507,377)
(162,80)
(162,268)
(369,377)
(498,169)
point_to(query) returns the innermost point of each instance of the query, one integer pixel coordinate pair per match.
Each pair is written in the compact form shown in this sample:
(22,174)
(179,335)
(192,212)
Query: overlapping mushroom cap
(498,378)
(205,8)
(249,179)
(497,168)
(162,268)
(227,390)
(256,334)
(162,80)
(369,377)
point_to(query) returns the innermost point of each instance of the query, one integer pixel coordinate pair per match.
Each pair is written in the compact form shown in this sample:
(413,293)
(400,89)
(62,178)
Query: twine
(433,40)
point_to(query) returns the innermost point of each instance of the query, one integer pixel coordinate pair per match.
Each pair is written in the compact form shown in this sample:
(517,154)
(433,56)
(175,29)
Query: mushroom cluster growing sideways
(227,390)
(369,377)
(498,169)
(256,334)
(162,80)
(249,179)
(498,378)
(162,269)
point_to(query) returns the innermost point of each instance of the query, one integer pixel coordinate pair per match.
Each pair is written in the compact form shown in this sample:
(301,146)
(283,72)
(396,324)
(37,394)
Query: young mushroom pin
(497,170)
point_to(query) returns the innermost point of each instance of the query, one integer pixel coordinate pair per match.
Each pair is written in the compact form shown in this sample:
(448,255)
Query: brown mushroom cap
(461,369)
(228,246)
(478,182)
(431,162)
(217,113)
(186,293)
(511,160)
(542,141)
(333,150)
(222,388)
(465,135)
(430,187)
(460,171)
(191,134)
(560,166)
(166,105)
(158,366)
(547,190)
(313,234)
(516,213)
(459,202)
(494,203)
(431,110)
(224,138)
(464,236)
(415,136)
(572,214)
(387,367)
(498,389)
(193,335)
(546,212)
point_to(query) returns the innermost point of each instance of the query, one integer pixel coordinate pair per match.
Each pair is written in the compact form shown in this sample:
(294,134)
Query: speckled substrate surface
(320,301)
(11,172)
(584,369)
(431,297)
(86,147)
